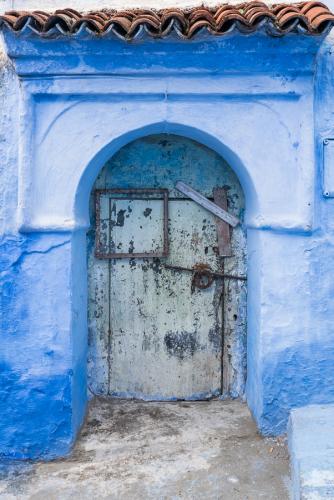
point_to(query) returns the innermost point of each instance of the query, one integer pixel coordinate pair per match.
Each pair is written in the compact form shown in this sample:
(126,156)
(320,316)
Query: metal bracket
(328,168)
(130,194)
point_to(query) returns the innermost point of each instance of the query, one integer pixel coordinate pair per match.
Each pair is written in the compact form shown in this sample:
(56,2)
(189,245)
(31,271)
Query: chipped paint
(166,340)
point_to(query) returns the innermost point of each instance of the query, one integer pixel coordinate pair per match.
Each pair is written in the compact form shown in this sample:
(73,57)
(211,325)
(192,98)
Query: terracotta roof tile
(312,18)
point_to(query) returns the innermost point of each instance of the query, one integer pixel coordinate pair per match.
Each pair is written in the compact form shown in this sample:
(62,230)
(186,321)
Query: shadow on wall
(293,379)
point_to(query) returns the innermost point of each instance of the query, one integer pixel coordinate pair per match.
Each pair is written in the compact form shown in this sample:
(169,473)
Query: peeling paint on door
(152,335)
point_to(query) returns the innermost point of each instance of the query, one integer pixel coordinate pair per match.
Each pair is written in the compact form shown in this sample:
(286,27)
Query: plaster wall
(56,134)
(39,380)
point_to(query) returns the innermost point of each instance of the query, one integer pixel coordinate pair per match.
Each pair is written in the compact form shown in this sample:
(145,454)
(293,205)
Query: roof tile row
(308,17)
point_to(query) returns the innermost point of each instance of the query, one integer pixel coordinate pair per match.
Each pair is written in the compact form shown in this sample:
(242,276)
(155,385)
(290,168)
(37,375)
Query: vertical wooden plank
(223,228)
(98,306)
(224,247)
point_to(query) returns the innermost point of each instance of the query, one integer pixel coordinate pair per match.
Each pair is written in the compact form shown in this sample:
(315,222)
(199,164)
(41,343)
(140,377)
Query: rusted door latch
(203,276)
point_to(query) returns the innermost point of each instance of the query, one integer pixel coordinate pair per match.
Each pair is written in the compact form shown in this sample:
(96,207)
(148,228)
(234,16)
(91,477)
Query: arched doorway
(153,333)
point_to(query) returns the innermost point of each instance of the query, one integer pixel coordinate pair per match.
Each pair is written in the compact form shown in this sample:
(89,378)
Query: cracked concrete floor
(136,450)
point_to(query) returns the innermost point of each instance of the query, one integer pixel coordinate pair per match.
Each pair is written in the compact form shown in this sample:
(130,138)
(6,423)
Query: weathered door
(153,334)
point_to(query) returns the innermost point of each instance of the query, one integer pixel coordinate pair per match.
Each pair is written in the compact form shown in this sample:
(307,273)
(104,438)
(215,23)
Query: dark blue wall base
(42,380)
(36,415)
(295,379)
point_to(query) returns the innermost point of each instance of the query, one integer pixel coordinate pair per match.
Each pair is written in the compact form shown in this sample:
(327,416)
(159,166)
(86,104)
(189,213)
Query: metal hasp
(328,168)
(206,271)
(105,247)
(203,276)
(207,204)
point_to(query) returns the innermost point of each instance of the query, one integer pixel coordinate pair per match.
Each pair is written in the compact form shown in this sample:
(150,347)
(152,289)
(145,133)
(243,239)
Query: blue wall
(37,372)
(42,378)
(257,103)
(301,372)
(295,367)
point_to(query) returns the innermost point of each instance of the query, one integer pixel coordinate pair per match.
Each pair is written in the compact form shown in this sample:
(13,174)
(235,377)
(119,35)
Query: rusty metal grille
(105,208)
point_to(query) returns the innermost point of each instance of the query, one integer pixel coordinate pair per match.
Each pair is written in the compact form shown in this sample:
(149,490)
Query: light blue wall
(301,372)
(251,100)
(297,304)
(42,375)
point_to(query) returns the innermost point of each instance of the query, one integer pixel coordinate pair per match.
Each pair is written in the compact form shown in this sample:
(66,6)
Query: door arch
(142,343)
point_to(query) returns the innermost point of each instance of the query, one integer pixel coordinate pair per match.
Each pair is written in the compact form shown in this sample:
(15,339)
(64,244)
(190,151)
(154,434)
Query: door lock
(203,276)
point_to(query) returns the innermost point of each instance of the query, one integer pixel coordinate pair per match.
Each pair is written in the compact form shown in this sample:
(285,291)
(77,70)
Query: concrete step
(311,445)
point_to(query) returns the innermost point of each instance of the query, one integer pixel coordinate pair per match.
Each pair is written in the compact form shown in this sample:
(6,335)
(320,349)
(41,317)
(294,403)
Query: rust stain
(196,239)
